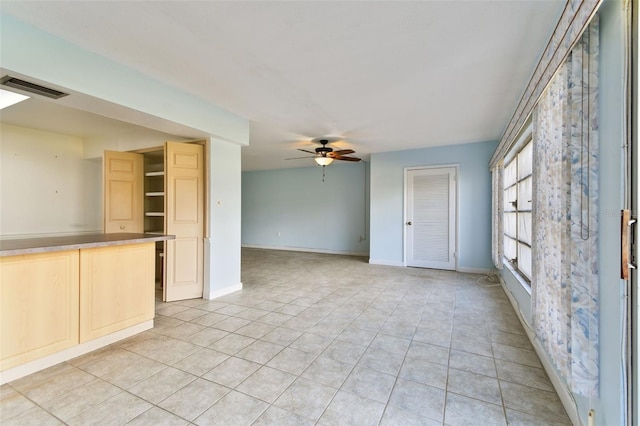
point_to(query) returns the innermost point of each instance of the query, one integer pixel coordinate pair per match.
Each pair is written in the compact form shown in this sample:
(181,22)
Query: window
(517,210)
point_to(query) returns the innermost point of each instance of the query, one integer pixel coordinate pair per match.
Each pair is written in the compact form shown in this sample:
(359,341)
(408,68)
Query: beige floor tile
(463,411)
(81,398)
(232,372)
(232,344)
(292,361)
(34,416)
(423,400)
(523,375)
(311,343)
(234,409)
(266,384)
(370,384)
(162,384)
(157,417)
(306,398)
(281,336)
(473,363)
(425,372)
(193,399)
(201,362)
(277,416)
(118,409)
(260,351)
(383,361)
(13,403)
(349,409)
(394,416)
(474,386)
(533,401)
(328,371)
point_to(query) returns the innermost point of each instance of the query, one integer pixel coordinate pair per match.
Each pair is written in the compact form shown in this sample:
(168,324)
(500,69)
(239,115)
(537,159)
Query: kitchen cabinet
(63,296)
(40,305)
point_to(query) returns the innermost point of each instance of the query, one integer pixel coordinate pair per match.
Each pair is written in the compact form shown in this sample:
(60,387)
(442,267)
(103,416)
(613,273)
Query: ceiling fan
(325,155)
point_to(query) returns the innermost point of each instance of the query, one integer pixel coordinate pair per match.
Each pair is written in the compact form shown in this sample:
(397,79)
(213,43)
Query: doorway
(431,217)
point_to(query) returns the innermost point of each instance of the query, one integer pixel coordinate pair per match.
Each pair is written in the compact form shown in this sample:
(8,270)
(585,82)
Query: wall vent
(26,86)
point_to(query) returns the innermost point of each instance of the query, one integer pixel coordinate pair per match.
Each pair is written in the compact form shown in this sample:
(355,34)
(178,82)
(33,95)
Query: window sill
(524,283)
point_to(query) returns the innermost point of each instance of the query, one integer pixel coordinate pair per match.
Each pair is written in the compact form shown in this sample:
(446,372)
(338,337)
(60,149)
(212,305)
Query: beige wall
(46,185)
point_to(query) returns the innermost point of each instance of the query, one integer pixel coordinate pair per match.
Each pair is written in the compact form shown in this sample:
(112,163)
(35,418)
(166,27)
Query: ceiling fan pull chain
(323,173)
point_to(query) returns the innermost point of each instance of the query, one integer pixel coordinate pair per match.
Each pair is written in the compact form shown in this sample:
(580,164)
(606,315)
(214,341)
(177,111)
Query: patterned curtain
(565,227)
(497,193)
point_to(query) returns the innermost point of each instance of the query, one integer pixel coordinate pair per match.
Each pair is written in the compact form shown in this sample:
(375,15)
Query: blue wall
(474,205)
(609,408)
(294,209)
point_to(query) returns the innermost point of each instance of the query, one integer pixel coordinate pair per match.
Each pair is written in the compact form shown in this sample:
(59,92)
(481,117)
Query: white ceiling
(384,75)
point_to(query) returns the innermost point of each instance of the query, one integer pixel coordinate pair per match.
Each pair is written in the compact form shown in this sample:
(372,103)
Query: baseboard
(474,270)
(305,249)
(50,360)
(386,262)
(225,290)
(558,383)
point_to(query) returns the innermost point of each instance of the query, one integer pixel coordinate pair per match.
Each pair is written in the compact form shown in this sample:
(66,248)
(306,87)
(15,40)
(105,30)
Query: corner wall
(292,209)
(474,201)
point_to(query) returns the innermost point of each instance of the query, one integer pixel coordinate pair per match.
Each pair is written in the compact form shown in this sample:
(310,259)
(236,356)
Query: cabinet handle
(121,226)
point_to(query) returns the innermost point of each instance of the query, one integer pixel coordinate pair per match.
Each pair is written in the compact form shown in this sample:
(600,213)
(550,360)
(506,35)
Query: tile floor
(312,339)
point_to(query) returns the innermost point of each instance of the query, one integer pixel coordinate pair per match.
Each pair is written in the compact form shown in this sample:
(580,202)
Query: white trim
(69,353)
(474,270)
(558,383)
(224,291)
(386,262)
(308,250)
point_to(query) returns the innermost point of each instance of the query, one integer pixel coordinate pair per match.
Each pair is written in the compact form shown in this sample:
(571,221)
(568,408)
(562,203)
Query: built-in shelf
(154,214)
(154,173)
(154,194)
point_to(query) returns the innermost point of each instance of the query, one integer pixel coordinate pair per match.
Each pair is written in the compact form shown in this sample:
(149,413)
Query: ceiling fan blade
(304,150)
(344,152)
(299,158)
(338,157)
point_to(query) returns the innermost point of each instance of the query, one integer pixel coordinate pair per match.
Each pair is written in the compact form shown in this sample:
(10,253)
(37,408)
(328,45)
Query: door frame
(405,208)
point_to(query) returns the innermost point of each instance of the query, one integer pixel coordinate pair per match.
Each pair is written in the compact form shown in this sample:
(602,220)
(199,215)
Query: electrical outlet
(279,234)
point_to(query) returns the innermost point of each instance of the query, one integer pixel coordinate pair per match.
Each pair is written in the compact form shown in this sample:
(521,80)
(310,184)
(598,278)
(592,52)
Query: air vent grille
(26,86)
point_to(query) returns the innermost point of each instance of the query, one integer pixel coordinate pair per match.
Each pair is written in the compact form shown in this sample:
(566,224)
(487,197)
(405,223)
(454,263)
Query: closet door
(123,192)
(431,218)
(184,215)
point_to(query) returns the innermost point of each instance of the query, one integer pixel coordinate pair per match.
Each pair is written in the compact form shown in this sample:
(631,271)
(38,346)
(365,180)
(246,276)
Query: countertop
(13,247)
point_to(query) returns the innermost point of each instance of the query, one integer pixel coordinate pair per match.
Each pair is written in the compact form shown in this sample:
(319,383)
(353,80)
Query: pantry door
(123,192)
(184,215)
(430,217)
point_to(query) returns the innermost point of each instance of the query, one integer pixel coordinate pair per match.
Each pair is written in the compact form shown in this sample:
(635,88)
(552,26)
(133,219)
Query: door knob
(409,223)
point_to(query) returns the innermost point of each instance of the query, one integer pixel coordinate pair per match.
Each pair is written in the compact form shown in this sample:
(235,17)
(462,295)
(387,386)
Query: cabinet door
(116,288)
(123,192)
(39,306)
(184,215)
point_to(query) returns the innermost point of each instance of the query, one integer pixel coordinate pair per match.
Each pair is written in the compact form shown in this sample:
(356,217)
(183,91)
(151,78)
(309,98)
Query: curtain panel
(565,227)
(497,230)
(574,19)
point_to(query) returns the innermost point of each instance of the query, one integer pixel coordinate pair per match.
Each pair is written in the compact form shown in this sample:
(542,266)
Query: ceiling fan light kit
(323,161)
(325,155)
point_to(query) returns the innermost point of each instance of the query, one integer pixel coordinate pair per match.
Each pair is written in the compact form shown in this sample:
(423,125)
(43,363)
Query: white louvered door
(430,219)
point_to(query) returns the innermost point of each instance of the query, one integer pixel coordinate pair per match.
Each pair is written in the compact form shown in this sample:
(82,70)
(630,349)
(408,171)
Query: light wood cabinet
(172,200)
(40,305)
(110,300)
